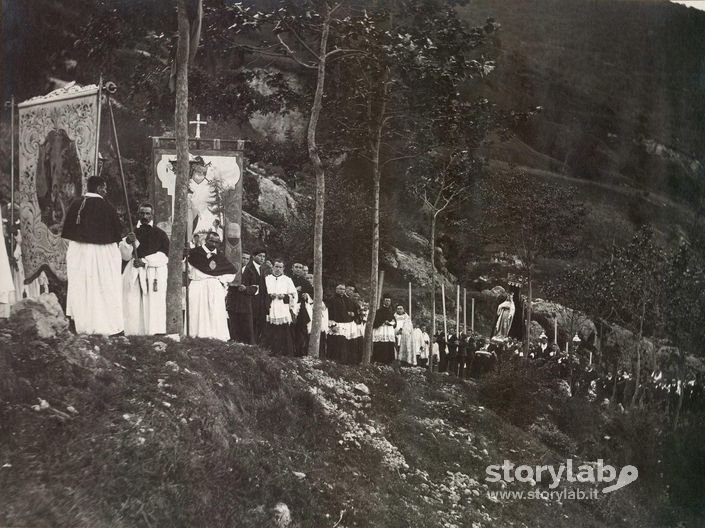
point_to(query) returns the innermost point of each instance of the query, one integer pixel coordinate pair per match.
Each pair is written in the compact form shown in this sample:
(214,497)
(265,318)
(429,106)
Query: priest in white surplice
(405,337)
(146,252)
(210,273)
(94,293)
(421,345)
(283,308)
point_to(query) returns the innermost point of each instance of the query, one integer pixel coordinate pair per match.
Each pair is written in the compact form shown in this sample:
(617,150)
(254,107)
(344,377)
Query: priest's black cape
(198,259)
(92,220)
(152,240)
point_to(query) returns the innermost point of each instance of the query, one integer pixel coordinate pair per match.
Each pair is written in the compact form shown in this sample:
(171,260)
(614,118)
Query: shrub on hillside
(583,422)
(520,393)
(546,431)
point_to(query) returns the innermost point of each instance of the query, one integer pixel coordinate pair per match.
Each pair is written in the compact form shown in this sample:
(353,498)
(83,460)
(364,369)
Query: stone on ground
(43,315)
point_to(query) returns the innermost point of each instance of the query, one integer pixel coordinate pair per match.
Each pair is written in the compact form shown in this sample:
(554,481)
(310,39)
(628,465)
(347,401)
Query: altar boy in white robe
(146,252)
(283,306)
(210,273)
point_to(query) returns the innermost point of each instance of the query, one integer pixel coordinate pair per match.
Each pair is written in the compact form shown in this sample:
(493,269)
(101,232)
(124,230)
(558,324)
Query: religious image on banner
(58,178)
(57,153)
(214,195)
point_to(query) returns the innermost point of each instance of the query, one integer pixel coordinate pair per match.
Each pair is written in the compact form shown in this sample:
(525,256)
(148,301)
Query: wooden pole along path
(445,318)
(457,312)
(472,315)
(555,330)
(465,310)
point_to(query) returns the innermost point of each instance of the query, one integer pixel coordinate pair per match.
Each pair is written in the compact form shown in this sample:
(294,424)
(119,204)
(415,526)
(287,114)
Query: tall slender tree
(413,57)
(185,48)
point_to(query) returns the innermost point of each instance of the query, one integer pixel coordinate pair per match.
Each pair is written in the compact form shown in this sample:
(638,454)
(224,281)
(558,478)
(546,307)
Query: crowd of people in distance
(595,382)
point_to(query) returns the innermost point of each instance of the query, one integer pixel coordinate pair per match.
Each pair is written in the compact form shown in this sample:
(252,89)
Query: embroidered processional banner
(214,193)
(57,153)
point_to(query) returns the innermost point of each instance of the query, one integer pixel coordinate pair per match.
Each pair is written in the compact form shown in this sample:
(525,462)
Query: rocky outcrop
(255,232)
(42,316)
(569,321)
(687,163)
(273,201)
(618,338)
(498,293)
(536,330)
(415,268)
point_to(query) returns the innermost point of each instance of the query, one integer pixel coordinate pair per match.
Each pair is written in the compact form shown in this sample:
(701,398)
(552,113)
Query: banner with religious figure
(214,193)
(57,153)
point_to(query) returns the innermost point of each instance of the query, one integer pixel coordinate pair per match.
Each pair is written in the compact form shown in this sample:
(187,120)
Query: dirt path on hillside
(684,212)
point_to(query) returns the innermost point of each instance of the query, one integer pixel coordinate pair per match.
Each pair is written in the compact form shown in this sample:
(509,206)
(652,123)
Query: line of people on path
(118,285)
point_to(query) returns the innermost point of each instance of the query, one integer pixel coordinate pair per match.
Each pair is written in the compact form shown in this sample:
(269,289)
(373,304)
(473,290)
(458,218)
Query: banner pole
(97,127)
(457,312)
(12,175)
(472,315)
(465,310)
(187,250)
(122,172)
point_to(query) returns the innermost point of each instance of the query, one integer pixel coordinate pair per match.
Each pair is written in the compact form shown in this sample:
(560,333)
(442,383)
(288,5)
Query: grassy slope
(208,434)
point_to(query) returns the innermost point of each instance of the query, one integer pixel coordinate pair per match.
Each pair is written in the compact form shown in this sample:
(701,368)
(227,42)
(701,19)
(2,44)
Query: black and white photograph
(352,264)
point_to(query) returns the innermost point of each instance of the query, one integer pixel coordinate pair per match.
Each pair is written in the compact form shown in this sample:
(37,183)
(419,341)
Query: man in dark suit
(239,306)
(305,291)
(253,275)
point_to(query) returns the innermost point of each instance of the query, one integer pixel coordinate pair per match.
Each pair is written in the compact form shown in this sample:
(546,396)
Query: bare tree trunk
(314,156)
(374,264)
(433,290)
(174,320)
(679,405)
(637,378)
(528,313)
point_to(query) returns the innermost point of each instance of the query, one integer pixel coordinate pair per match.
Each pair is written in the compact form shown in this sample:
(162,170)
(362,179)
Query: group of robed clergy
(118,285)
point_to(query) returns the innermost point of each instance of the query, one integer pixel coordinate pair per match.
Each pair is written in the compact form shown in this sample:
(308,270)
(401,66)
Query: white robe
(324,316)
(206,297)
(94,293)
(144,309)
(7,286)
(38,286)
(280,313)
(385,333)
(18,274)
(421,342)
(434,349)
(405,332)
